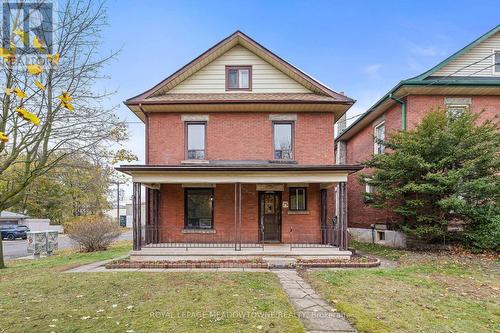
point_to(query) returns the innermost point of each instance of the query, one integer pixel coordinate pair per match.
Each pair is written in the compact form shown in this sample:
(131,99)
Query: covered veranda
(240,221)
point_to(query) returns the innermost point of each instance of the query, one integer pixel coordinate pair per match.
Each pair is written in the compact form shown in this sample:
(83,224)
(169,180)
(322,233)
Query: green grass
(379,250)
(38,297)
(426,293)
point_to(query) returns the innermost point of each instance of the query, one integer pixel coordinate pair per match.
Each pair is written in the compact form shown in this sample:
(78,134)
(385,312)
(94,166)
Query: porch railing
(157,237)
(327,236)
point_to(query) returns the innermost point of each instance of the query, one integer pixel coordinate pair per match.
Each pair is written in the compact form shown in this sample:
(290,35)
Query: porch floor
(156,252)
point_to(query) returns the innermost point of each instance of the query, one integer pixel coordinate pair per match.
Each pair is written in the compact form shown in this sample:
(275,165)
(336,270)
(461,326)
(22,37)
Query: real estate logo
(27,31)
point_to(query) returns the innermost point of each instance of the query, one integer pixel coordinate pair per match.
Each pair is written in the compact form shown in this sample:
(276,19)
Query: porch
(244,212)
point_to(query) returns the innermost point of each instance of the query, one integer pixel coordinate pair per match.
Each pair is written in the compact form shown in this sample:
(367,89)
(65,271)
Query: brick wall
(360,148)
(241,136)
(305,226)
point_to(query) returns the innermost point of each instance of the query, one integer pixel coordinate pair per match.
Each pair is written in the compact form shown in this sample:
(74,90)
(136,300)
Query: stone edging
(338,264)
(312,263)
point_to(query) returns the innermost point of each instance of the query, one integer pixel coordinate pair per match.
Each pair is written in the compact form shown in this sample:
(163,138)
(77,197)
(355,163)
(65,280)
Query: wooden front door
(270,216)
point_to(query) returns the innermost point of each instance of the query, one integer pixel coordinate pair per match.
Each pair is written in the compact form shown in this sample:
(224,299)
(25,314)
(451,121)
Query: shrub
(93,233)
(444,170)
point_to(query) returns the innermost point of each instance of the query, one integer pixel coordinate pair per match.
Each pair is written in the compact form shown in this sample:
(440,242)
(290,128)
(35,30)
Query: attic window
(238,77)
(496,59)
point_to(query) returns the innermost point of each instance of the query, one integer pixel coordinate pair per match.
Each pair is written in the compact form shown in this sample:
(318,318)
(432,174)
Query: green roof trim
(457,54)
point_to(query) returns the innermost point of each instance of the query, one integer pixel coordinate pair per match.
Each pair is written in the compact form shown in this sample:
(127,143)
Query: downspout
(403,110)
(146,133)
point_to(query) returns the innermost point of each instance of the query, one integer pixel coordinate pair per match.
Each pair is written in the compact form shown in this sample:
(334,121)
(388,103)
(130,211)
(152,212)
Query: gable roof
(159,92)
(427,83)
(455,55)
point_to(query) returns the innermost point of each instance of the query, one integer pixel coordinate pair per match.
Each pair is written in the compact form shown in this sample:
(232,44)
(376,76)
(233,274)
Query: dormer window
(238,77)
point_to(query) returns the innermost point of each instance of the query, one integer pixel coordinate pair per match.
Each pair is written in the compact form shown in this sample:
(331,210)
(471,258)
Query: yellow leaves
(34,69)
(65,101)
(68,106)
(65,97)
(38,44)
(8,91)
(19,93)
(28,116)
(3,137)
(7,54)
(54,58)
(22,34)
(39,85)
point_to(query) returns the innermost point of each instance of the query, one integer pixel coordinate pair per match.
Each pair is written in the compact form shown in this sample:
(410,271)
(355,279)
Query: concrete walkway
(314,312)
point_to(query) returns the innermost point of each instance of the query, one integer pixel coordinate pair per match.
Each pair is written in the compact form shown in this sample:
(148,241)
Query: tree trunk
(2,264)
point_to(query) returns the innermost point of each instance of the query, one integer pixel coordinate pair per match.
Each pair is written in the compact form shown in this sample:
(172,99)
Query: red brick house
(239,153)
(470,78)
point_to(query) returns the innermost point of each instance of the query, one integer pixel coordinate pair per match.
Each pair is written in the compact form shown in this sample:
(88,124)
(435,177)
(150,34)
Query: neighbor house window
(238,77)
(496,65)
(199,208)
(298,198)
(195,137)
(456,110)
(283,140)
(369,188)
(379,135)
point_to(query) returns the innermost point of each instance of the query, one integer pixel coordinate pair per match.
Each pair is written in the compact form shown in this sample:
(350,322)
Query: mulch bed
(354,262)
(257,263)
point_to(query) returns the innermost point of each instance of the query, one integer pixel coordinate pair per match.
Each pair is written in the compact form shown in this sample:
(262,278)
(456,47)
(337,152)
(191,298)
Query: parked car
(11,232)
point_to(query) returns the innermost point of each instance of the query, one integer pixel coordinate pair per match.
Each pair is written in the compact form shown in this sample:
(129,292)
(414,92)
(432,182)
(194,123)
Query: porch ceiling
(181,174)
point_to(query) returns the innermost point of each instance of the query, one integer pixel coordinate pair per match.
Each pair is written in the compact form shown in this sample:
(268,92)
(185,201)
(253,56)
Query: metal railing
(164,237)
(327,236)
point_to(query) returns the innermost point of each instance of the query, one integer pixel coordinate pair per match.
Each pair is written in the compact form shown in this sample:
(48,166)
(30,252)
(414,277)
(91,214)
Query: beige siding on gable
(265,77)
(482,54)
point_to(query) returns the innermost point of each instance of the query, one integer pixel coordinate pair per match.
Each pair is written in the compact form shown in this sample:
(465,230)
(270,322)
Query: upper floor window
(379,136)
(283,140)
(297,198)
(238,77)
(195,140)
(496,65)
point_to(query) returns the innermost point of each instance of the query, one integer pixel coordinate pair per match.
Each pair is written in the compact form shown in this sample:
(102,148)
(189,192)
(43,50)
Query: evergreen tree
(446,169)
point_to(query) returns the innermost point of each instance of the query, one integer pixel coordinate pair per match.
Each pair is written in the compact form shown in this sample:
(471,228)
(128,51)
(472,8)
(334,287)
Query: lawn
(427,292)
(36,296)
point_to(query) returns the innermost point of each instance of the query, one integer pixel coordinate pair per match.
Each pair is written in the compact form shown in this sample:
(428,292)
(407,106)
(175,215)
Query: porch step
(279,253)
(280,262)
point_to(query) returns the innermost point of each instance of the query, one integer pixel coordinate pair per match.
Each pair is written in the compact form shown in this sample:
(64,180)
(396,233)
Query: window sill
(298,212)
(198,231)
(195,162)
(283,161)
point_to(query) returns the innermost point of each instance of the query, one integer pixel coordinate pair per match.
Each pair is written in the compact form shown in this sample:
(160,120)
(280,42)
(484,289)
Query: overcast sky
(362,48)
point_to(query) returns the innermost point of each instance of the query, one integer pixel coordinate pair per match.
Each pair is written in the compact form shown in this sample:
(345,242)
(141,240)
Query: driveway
(19,248)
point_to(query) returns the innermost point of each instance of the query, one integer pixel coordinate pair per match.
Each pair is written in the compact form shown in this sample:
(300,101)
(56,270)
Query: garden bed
(354,262)
(242,263)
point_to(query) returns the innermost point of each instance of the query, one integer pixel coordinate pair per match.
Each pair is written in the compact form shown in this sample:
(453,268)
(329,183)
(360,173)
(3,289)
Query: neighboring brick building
(469,79)
(239,151)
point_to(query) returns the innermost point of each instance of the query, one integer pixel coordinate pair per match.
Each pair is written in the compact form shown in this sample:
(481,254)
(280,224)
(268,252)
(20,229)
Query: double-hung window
(298,198)
(283,140)
(199,208)
(379,137)
(455,110)
(238,77)
(195,140)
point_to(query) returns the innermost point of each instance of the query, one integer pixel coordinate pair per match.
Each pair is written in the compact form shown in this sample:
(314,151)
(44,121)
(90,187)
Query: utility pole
(118,201)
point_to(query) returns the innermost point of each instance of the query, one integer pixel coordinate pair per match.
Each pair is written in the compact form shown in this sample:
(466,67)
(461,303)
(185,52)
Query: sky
(361,48)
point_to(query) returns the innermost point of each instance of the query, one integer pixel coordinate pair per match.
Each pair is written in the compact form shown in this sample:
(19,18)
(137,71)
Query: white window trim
(375,144)
(494,52)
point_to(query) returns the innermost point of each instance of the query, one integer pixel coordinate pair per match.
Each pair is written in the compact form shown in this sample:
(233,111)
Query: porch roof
(238,173)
